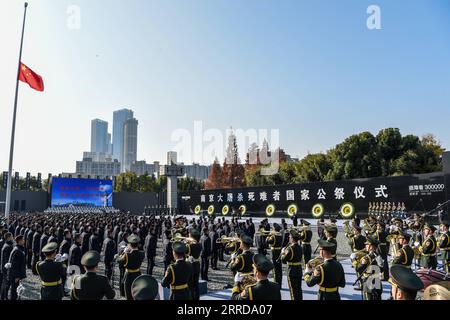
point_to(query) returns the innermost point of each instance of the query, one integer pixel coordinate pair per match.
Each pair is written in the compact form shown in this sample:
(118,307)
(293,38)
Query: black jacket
(18,263)
(6,252)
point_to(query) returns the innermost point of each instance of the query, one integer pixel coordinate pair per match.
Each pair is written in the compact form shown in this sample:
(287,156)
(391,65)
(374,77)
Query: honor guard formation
(78,255)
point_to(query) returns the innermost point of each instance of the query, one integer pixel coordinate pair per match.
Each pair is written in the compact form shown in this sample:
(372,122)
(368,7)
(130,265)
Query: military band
(381,250)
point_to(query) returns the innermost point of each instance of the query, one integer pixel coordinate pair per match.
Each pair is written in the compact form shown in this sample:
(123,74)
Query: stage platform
(347,293)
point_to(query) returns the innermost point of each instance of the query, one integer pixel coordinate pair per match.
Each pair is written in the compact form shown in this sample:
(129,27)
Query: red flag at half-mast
(29,76)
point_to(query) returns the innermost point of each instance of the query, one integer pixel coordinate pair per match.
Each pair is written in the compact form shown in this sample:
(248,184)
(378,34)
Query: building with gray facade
(119,119)
(130,129)
(99,136)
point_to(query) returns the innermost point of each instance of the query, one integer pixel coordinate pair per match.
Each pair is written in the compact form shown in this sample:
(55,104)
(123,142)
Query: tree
(233,172)
(214,180)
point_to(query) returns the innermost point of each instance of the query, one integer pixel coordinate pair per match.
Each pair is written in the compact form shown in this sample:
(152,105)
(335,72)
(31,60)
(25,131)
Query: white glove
(283,251)
(8,265)
(353,256)
(308,269)
(416,244)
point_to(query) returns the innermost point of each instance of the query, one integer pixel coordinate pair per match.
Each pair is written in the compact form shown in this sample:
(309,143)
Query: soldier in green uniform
(242,264)
(405,254)
(405,283)
(144,288)
(263,289)
(305,238)
(91,286)
(444,245)
(178,274)
(275,242)
(330,234)
(131,259)
(369,268)
(194,250)
(383,248)
(357,242)
(292,256)
(428,248)
(329,275)
(52,274)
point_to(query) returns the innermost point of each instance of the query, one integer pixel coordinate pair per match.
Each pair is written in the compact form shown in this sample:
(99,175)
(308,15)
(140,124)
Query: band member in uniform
(51,273)
(275,242)
(329,275)
(242,264)
(357,241)
(330,234)
(263,289)
(178,274)
(305,238)
(405,283)
(405,254)
(120,250)
(369,268)
(144,288)
(292,256)
(91,286)
(17,270)
(444,245)
(194,249)
(428,248)
(131,259)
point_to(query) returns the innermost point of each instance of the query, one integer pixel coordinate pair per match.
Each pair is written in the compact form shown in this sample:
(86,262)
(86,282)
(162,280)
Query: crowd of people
(57,246)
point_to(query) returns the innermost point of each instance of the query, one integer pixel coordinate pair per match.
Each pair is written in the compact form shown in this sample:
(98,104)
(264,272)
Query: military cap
(330,228)
(294,234)
(90,259)
(305,222)
(371,240)
(179,247)
(437,291)
(262,264)
(133,239)
(194,232)
(50,247)
(405,279)
(430,227)
(144,287)
(326,245)
(276,227)
(445,223)
(333,220)
(246,240)
(405,236)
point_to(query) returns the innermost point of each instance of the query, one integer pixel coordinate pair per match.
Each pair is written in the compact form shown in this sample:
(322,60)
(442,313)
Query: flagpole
(13,129)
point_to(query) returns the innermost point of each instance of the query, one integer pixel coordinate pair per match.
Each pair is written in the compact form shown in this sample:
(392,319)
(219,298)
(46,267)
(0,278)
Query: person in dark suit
(109,251)
(64,247)
(167,249)
(44,239)
(94,241)
(75,253)
(85,235)
(214,247)
(205,241)
(91,286)
(263,289)
(150,245)
(29,244)
(36,247)
(17,270)
(4,258)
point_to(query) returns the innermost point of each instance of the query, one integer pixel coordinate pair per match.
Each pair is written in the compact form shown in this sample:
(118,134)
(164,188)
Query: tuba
(355,257)
(247,280)
(314,263)
(392,239)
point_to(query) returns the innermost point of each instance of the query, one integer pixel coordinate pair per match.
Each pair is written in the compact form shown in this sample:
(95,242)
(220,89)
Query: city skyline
(246,65)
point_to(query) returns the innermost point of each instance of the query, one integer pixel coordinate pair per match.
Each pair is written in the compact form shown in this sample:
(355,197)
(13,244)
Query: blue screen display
(81,192)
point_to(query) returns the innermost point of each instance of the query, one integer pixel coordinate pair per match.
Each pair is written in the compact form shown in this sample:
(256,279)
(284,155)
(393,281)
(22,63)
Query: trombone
(225,240)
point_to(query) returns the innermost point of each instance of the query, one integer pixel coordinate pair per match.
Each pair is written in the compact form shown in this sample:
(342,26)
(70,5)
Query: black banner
(28,181)
(39,181)
(16,181)
(5,180)
(416,193)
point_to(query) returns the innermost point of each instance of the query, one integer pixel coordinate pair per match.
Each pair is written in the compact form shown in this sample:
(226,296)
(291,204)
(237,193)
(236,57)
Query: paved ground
(218,278)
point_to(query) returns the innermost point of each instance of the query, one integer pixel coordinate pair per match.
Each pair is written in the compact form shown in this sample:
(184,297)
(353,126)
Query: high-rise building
(130,129)
(119,118)
(99,136)
(171,157)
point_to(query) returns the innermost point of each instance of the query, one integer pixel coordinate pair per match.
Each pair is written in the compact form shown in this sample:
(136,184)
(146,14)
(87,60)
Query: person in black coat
(64,247)
(213,235)
(17,271)
(167,251)
(85,235)
(205,241)
(29,245)
(150,250)
(75,254)
(4,258)
(44,241)
(110,250)
(36,248)
(94,241)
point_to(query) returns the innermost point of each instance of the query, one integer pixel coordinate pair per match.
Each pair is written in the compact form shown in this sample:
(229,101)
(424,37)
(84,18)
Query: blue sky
(311,69)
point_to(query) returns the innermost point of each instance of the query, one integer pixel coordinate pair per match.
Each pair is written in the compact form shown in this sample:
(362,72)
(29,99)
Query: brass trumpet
(268,233)
(225,240)
(179,238)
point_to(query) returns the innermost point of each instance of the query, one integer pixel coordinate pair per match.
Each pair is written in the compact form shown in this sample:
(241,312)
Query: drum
(429,277)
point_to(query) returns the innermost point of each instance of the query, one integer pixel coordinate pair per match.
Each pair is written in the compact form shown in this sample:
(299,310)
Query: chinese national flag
(29,76)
